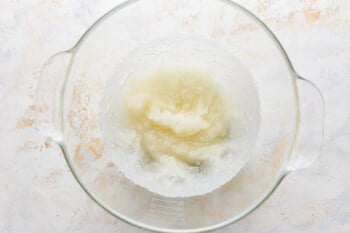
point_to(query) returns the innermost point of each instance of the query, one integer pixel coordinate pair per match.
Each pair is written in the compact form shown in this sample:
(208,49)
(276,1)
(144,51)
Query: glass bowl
(73,82)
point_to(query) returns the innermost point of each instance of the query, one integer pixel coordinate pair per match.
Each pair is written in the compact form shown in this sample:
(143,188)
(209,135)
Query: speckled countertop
(37,192)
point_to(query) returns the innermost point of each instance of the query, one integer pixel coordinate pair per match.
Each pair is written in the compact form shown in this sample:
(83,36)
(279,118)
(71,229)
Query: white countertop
(37,191)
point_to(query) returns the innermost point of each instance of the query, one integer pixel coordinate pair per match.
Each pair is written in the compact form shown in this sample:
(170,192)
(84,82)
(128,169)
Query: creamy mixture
(179,121)
(178,114)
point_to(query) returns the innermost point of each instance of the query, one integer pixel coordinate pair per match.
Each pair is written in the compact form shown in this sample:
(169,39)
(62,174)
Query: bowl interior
(97,58)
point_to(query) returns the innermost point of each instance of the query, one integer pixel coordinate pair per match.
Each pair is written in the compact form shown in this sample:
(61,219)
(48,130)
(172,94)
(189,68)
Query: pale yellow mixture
(177,114)
(179,118)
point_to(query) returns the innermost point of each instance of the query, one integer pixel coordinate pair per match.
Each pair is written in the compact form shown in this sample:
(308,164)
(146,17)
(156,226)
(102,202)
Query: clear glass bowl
(72,84)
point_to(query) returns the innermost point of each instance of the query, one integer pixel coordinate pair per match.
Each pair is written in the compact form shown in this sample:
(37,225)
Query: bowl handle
(311,125)
(50,92)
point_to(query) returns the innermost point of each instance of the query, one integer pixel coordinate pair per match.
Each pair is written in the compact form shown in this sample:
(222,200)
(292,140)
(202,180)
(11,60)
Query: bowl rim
(284,171)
